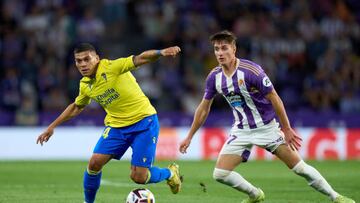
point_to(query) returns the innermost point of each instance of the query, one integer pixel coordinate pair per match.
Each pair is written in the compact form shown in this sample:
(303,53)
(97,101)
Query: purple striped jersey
(245,92)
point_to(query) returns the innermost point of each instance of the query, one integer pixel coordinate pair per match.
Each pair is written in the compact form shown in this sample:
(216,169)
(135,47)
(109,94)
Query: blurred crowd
(309,49)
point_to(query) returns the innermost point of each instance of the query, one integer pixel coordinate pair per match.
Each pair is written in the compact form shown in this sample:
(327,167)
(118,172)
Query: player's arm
(153,55)
(71,111)
(290,136)
(201,113)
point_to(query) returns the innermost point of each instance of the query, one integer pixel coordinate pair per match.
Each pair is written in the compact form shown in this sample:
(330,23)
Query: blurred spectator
(10,90)
(55,100)
(349,103)
(149,83)
(90,27)
(26,115)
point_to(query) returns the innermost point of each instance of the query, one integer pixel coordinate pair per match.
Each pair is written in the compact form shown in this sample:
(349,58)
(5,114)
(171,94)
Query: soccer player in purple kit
(254,103)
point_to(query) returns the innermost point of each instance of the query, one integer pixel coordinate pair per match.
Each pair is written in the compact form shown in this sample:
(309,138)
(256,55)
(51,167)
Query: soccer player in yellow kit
(130,121)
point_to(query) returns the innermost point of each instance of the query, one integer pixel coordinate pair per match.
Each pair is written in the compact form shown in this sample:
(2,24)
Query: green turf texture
(61,181)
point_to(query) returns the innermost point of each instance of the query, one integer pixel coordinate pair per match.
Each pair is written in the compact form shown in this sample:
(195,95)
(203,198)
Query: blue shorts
(142,137)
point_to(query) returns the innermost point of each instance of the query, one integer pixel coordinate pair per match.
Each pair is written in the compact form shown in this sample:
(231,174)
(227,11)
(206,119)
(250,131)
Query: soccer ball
(140,195)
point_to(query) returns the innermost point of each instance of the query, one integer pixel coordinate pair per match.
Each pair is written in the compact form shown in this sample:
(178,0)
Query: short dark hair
(84,47)
(224,35)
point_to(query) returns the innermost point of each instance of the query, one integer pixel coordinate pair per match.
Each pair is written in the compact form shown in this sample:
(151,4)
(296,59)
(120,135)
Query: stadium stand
(310,50)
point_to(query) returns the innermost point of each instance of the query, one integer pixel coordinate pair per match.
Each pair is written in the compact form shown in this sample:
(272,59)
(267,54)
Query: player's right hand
(170,51)
(45,136)
(184,145)
(292,139)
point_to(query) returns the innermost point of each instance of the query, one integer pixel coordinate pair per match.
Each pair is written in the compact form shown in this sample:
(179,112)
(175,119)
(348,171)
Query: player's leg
(313,177)
(112,144)
(224,173)
(144,147)
(146,175)
(146,134)
(92,176)
(232,154)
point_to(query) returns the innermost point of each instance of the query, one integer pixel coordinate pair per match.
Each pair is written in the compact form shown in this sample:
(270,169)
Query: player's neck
(230,68)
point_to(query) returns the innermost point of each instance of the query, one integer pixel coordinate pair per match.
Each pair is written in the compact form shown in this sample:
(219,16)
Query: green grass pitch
(61,181)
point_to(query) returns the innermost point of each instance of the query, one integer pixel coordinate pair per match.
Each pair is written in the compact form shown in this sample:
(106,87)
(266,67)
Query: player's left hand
(170,51)
(292,139)
(45,136)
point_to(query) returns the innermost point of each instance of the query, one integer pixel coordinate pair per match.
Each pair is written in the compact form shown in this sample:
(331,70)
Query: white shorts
(241,141)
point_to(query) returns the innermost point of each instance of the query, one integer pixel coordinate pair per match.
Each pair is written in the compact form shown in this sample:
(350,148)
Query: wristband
(158,52)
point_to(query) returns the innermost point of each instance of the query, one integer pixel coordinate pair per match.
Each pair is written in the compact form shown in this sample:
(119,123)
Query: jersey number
(231,138)
(106,132)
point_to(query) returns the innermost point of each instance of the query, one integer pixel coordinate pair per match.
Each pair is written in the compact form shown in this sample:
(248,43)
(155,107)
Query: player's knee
(94,165)
(220,174)
(138,178)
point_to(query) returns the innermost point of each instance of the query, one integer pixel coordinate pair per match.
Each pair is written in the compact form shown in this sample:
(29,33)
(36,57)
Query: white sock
(236,181)
(314,179)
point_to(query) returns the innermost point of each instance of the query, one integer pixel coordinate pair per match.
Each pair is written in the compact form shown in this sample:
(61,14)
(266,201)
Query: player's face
(86,62)
(224,52)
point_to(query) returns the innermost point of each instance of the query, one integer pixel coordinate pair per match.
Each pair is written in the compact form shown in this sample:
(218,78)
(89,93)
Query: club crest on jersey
(103,75)
(241,82)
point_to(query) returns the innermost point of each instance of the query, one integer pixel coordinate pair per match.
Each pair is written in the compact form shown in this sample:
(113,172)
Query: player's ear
(95,55)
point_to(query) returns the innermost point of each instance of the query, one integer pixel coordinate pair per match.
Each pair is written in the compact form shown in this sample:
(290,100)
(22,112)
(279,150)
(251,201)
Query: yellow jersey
(116,90)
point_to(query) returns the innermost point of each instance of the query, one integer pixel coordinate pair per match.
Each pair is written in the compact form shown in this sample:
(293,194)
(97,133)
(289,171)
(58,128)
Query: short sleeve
(82,99)
(122,65)
(262,83)
(210,89)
